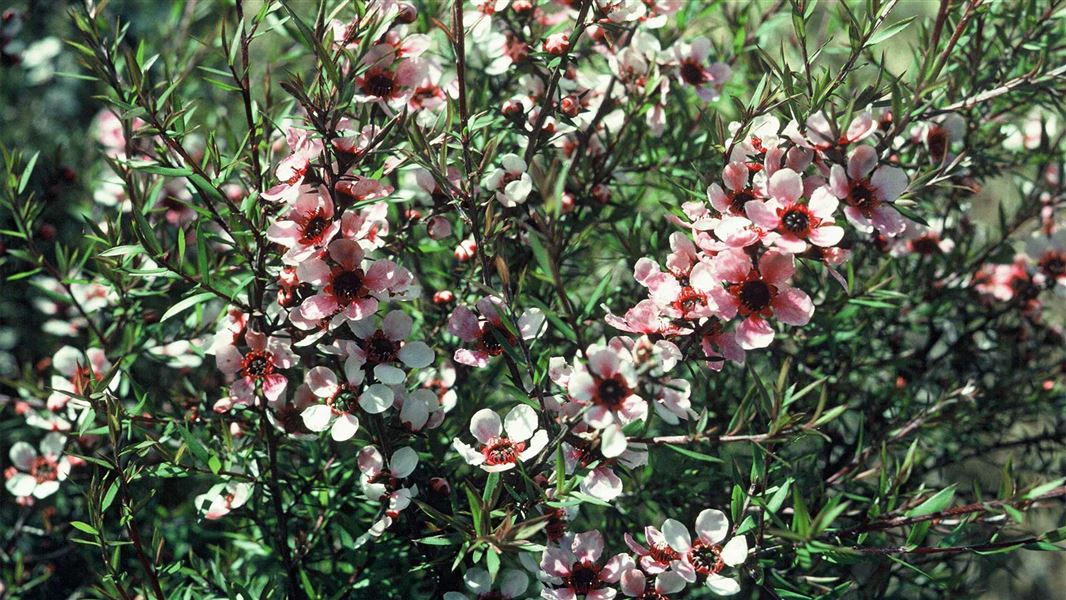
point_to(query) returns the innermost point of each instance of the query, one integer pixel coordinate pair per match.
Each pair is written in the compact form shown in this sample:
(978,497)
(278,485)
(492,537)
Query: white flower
(501,453)
(511,182)
(38,475)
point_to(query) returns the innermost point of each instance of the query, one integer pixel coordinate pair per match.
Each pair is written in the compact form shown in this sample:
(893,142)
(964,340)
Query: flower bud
(557,44)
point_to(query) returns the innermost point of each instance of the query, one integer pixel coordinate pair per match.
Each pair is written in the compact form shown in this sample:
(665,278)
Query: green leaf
(693,454)
(889,31)
(83,526)
(934,504)
(187,303)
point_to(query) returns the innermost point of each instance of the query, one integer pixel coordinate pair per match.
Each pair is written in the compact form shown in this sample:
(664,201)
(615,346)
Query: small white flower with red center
(657,556)
(571,569)
(382,482)
(513,584)
(693,68)
(258,368)
(794,223)
(337,413)
(293,168)
(511,182)
(755,293)
(737,192)
(222,499)
(488,334)
(37,475)
(707,556)
(922,240)
(307,227)
(388,79)
(419,409)
(347,292)
(382,351)
(939,134)
(1049,251)
(608,386)
(868,190)
(497,452)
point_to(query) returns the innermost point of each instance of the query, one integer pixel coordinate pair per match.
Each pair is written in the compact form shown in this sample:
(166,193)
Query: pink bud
(557,44)
(443,297)
(570,106)
(569,203)
(440,485)
(466,250)
(601,193)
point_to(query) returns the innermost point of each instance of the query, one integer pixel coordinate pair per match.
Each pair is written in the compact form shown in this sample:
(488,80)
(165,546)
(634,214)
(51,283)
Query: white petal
(735,552)
(344,428)
(403,462)
(712,526)
(389,375)
(21,484)
(520,423)
(613,442)
(485,425)
(376,399)
(22,456)
(416,355)
(723,586)
(677,535)
(316,418)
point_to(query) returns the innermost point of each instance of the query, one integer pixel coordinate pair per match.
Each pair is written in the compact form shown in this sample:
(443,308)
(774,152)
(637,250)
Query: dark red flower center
(347,286)
(862,196)
(925,244)
(754,295)
(379,349)
(706,559)
(44,469)
(584,577)
(502,451)
(489,343)
(688,300)
(662,553)
(692,72)
(314,227)
(797,221)
(1053,264)
(738,199)
(257,364)
(611,392)
(379,82)
(937,140)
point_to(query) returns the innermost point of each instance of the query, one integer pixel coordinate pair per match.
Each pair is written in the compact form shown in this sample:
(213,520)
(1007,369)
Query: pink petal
(754,332)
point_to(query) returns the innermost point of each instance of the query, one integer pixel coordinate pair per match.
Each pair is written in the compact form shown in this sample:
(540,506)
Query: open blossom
(795,224)
(707,555)
(382,482)
(488,333)
(347,292)
(694,68)
(755,292)
(308,226)
(670,289)
(868,190)
(36,475)
(737,193)
(382,351)
(498,452)
(338,410)
(223,498)
(512,585)
(259,367)
(572,569)
(389,79)
(76,371)
(511,182)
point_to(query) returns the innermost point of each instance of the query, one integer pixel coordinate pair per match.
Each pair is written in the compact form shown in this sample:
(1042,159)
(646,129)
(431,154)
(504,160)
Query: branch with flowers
(576,300)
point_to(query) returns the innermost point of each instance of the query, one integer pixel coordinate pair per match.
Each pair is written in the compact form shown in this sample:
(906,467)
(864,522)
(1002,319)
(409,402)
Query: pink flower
(499,452)
(637,584)
(670,289)
(345,291)
(608,387)
(307,227)
(259,367)
(293,168)
(388,81)
(867,190)
(488,333)
(707,555)
(796,224)
(572,569)
(693,68)
(38,475)
(755,292)
(737,192)
(369,225)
